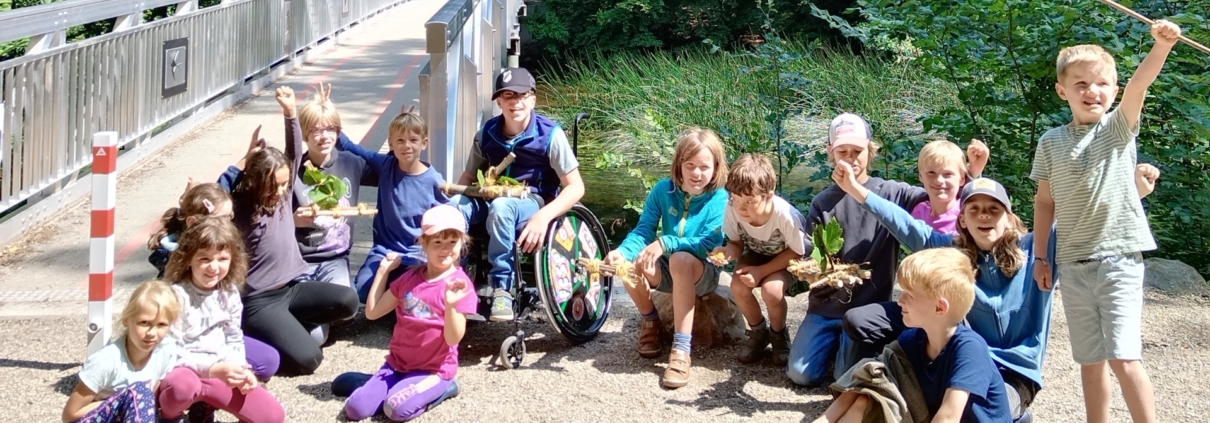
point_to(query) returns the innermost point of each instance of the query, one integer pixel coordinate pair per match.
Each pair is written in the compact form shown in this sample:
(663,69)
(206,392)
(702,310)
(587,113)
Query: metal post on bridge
(101,246)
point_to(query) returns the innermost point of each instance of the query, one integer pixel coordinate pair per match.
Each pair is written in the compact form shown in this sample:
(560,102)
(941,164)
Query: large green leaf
(482,180)
(312,176)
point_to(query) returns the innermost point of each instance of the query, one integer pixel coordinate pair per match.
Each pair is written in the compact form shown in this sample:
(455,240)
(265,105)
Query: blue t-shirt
(963,364)
(402,200)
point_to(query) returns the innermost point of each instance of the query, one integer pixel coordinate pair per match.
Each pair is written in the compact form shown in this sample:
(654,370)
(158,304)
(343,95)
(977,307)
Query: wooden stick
(314,210)
(495,171)
(480,192)
(1144,19)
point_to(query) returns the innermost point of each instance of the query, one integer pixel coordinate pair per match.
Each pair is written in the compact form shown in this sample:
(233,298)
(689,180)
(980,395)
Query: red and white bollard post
(101,247)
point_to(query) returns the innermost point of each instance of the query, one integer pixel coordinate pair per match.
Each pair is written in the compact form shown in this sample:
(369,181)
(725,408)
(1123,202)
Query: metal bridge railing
(467,41)
(53,99)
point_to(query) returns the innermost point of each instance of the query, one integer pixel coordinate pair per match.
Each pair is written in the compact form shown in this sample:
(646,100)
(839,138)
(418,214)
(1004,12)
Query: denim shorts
(1103,302)
(705,285)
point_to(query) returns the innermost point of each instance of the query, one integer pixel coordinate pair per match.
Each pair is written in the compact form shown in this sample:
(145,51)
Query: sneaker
(781,346)
(502,306)
(649,339)
(677,374)
(755,347)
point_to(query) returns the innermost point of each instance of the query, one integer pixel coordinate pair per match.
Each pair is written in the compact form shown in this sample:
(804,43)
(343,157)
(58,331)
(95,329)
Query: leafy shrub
(998,56)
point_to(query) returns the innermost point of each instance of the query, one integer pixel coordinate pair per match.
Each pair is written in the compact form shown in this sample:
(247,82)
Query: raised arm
(294,137)
(381,301)
(377,162)
(913,233)
(1166,34)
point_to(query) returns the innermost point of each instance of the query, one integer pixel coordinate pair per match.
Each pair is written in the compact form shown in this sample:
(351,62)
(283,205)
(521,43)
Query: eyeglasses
(329,130)
(513,96)
(735,201)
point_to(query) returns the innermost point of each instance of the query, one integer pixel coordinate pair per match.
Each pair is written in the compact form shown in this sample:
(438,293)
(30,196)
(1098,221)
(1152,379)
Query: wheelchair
(575,302)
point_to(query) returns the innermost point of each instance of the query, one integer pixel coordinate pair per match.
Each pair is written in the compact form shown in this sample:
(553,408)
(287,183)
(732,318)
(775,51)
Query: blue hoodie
(687,223)
(1010,312)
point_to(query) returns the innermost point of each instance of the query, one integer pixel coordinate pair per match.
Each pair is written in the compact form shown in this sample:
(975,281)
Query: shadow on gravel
(37,365)
(66,384)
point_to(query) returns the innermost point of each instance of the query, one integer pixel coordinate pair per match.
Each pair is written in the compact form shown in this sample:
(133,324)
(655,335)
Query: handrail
(446,25)
(46,18)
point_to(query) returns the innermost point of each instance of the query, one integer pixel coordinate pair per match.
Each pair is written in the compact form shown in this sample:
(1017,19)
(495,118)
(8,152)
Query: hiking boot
(755,347)
(649,339)
(502,306)
(781,346)
(677,374)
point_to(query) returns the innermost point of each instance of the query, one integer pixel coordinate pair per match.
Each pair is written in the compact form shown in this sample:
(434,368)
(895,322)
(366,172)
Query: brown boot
(677,374)
(649,339)
(755,347)
(781,346)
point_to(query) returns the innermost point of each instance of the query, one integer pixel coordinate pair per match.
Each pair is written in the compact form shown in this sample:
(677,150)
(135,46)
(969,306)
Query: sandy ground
(605,380)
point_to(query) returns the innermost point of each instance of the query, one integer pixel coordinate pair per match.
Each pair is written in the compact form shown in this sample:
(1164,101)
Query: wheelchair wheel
(576,303)
(512,352)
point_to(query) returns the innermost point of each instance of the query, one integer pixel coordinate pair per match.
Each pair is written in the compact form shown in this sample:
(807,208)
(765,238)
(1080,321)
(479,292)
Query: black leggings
(874,326)
(283,317)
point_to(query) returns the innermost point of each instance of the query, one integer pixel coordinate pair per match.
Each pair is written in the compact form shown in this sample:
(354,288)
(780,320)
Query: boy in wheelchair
(545,162)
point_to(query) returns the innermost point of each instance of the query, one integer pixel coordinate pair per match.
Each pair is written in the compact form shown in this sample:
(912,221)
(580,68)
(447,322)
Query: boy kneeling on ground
(939,369)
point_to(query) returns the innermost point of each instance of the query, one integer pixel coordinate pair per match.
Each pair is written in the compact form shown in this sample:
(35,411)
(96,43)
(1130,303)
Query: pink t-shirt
(946,223)
(418,342)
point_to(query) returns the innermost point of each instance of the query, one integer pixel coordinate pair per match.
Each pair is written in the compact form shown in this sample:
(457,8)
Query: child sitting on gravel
(199,200)
(939,369)
(118,383)
(430,303)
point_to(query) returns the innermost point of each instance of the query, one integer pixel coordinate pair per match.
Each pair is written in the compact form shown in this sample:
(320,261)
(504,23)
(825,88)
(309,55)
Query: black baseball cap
(517,80)
(987,187)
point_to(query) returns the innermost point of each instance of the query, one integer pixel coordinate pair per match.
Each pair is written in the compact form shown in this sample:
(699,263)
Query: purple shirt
(273,255)
(946,223)
(418,342)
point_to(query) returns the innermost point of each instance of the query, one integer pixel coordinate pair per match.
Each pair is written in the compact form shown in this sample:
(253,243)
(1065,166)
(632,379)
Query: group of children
(252,280)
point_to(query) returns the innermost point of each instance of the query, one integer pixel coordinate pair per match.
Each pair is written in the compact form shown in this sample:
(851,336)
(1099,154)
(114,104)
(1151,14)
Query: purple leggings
(263,358)
(401,396)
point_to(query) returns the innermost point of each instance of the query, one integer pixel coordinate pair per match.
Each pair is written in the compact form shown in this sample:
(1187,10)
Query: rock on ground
(717,321)
(1174,277)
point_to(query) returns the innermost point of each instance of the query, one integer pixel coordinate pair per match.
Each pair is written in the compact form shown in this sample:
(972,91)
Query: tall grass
(639,102)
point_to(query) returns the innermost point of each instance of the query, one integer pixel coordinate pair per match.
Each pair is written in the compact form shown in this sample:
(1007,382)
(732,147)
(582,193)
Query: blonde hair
(320,109)
(941,273)
(448,233)
(409,121)
(941,153)
(691,142)
(1085,54)
(152,292)
(751,174)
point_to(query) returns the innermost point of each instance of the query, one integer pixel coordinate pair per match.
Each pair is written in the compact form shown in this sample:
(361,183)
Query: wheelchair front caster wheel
(512,352)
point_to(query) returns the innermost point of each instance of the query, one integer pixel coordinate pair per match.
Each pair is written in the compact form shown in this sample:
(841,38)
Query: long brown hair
(193,203)
(210,232)
(1008,254)
(258,185)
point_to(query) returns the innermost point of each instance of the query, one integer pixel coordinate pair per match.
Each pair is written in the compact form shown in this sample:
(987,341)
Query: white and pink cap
(849,129)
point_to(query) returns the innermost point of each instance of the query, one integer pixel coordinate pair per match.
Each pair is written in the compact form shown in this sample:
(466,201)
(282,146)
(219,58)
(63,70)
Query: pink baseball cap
(442,217)
(849,129)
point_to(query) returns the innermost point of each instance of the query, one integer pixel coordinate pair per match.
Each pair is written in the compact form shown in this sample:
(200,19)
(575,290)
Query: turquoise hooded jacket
(687,223)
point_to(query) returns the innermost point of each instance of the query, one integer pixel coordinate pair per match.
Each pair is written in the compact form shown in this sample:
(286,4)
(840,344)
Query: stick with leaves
(327,190)
(824,267)
(491,185)
(624,269)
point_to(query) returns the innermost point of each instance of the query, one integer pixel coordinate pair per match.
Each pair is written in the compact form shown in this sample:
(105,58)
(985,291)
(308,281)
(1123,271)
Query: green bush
(998,56)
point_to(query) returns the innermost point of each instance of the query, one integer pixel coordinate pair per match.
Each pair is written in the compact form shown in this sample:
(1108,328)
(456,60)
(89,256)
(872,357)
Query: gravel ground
(605,380)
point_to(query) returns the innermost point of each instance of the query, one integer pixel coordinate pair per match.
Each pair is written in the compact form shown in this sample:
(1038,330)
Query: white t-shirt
(783,230)
(109,370)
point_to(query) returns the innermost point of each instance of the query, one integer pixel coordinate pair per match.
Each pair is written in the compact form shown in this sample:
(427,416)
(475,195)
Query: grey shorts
(1103,302)
(750,258)
(704,286)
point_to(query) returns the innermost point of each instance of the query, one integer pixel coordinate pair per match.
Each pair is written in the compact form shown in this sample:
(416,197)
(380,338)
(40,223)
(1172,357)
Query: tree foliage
(999,56)
(562,26)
